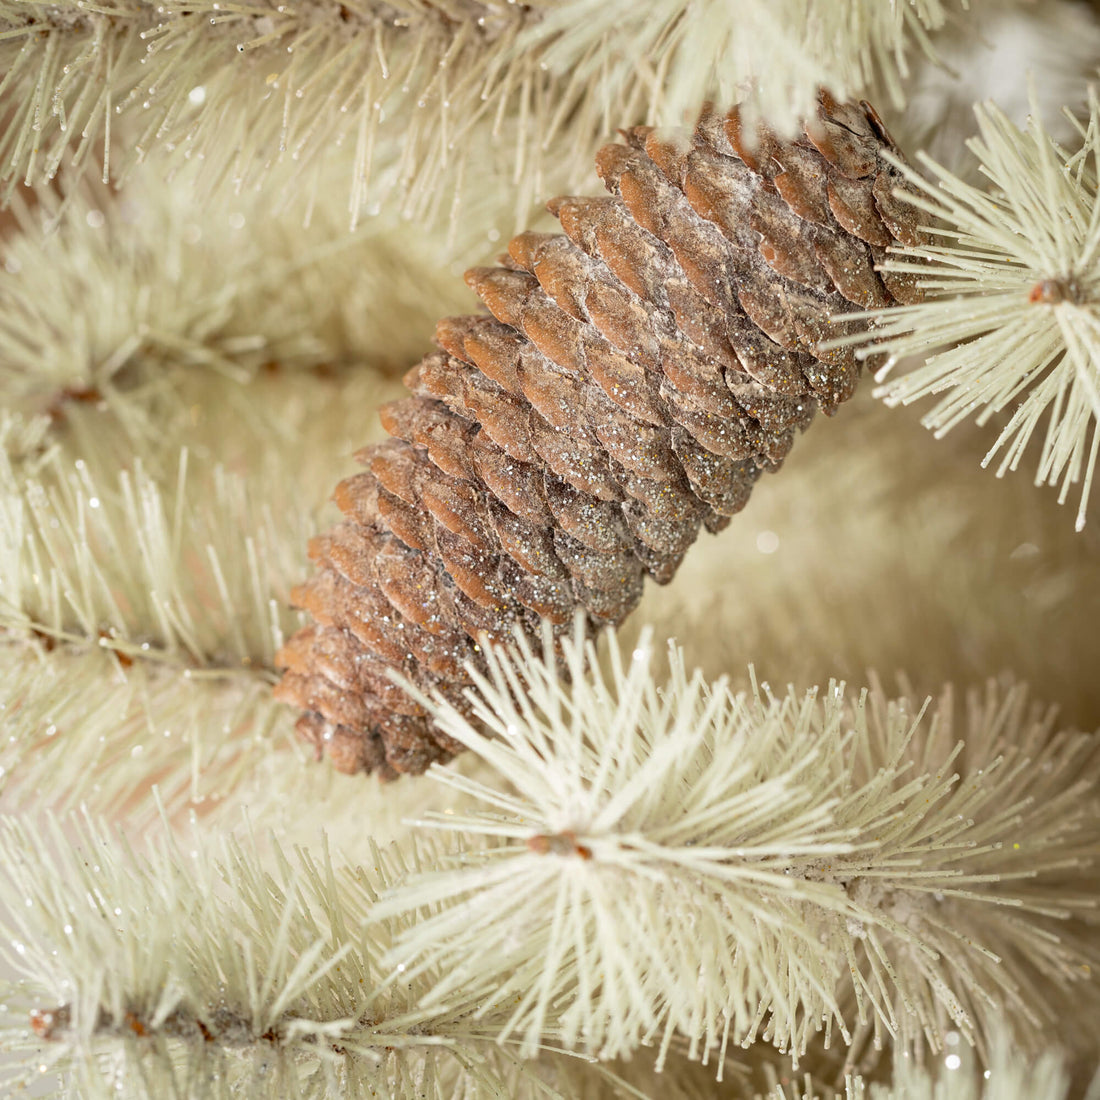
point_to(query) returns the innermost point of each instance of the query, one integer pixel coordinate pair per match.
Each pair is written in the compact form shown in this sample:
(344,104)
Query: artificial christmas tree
(648,882)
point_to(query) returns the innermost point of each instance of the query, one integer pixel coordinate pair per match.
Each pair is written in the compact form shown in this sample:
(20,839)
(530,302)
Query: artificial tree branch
(1010,325)
(407,82)
(105,290)
(88,727)
(212,970)
(734,866)
(203,968)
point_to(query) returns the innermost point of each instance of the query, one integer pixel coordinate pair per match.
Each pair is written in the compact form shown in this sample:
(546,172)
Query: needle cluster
(672,860)
(206,970)
(1009,331)
(407,85)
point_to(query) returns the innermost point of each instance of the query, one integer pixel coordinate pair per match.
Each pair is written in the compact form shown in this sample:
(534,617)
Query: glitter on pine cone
(630,382)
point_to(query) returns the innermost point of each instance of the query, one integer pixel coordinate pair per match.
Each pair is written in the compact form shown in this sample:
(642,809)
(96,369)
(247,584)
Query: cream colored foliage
(106,287)
(1010,322)
(734,867)
(410,86)
(206,970)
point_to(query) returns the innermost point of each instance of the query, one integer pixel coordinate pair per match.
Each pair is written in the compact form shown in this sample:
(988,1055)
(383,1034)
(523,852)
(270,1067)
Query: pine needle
(774,55)
(103,290)
(157,571)
(88,727)
(1011,323)
(654,860)
(406,84)
(205,970)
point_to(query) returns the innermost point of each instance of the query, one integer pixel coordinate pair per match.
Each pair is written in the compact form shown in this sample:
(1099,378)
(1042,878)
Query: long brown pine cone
(634,378)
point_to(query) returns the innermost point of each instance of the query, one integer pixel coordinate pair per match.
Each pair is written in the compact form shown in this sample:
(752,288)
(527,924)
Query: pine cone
(634,378)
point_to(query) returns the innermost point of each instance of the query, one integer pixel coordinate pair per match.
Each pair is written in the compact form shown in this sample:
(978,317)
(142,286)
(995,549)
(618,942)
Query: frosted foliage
(82,728)
(771,54)
(103,289)
(265,81)
(407,85)
(66,570)
(168,521)
(204,970)
(982,58)
(655,861)
(1011,327)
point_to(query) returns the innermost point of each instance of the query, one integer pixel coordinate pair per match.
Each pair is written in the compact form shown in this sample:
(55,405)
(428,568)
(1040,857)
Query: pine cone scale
(576,459)
(705,258)
(803,187)
(632,380)
(850,267)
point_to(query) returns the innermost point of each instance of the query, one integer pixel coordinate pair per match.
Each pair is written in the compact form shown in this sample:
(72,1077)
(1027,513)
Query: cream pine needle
(772,55)
(1010,325)
(406,83)
(676,860)
(203,970)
